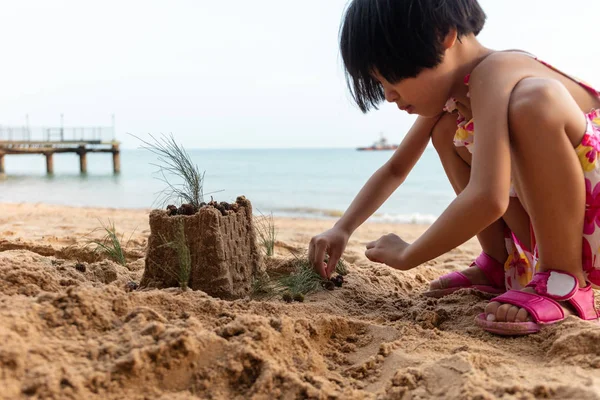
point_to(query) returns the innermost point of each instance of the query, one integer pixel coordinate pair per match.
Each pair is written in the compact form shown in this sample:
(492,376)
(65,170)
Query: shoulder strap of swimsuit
(583,84)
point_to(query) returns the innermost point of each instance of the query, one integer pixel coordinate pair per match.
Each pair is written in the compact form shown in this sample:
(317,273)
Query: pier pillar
(82,160)
(116,159)
(50,163)
(2,171)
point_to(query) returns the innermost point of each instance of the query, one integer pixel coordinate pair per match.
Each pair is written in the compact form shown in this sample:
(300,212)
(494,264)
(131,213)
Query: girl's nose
(391,96)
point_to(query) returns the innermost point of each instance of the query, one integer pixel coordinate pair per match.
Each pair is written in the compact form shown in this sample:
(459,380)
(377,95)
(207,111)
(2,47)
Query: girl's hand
(332,242)
(390,250)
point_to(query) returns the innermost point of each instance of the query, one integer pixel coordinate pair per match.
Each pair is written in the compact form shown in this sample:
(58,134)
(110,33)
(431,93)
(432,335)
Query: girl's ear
(450,39)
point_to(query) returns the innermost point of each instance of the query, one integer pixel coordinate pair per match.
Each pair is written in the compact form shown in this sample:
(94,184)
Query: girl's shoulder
(508,61)
(502,70)
(510,66)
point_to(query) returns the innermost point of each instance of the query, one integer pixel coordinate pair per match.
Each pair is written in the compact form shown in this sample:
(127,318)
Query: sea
(304,183)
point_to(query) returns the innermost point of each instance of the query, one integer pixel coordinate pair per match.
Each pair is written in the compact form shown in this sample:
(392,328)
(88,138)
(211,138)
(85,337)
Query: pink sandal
(492,269)
(550,286)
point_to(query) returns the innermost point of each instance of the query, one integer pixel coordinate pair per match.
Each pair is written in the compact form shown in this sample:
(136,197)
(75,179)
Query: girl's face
(426,94)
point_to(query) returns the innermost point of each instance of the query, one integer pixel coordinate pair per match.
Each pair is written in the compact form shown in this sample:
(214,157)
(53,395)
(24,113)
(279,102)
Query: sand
(70,328)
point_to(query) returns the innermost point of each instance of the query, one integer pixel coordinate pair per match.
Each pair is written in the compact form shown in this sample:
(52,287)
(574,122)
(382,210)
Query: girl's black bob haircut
(398,39)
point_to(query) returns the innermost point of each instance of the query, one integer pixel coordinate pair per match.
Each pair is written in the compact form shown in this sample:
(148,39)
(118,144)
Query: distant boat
(381,144)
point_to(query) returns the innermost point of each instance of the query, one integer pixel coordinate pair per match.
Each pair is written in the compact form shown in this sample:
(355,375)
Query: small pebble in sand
(171,209)
(337,280)
(186,209)
(131,286)
(287,297)
(299,297)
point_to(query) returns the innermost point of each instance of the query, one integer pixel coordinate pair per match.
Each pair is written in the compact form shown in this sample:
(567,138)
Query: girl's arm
(486,197)
(377,189)
(387,178)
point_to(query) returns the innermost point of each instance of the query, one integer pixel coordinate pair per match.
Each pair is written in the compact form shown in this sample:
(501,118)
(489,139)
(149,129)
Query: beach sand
(70,333)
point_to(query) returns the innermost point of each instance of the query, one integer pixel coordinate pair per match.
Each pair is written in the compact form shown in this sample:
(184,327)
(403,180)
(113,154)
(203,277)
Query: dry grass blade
(304,280)
(262,287)
(267,233)
(179,245)
(341,267)
(110,244)
(174,161)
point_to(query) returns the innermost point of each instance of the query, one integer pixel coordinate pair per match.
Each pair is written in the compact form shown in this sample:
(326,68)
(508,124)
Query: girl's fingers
(316,254)
(373,255)
(318,264)
(333,260)
(311,254)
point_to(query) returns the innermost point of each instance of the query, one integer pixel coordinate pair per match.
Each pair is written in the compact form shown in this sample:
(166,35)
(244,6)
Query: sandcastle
(223,253)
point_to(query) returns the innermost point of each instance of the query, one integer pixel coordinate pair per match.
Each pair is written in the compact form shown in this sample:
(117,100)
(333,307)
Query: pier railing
(57,134)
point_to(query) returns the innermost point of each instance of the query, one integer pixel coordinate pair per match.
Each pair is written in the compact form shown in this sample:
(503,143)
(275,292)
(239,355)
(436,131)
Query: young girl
(518,140)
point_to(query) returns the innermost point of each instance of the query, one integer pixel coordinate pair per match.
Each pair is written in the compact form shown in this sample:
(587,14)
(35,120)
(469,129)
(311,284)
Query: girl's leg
(545,125)
(456,163)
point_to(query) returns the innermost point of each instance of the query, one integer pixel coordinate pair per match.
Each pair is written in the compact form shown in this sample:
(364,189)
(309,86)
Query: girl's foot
(503,312)
(472,273)
(485,274)
(550,297)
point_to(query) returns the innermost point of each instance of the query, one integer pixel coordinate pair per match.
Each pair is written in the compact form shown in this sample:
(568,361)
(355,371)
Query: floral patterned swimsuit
(522,263)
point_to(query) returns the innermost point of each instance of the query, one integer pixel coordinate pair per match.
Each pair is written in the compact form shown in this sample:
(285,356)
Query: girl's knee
(442,134)
(541,107)
(536,101)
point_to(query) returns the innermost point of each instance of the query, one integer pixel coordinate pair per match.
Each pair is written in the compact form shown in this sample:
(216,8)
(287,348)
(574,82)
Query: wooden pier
(81,141)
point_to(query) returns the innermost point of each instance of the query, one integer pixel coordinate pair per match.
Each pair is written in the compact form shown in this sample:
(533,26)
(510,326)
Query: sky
(232,74)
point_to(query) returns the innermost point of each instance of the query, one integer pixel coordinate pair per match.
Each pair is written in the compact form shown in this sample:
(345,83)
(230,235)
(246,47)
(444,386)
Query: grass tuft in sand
(301,281)
(111,244)
(175,162)
(179,244)
(267,233)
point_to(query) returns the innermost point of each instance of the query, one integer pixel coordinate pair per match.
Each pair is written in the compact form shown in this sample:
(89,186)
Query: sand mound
(72,329)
